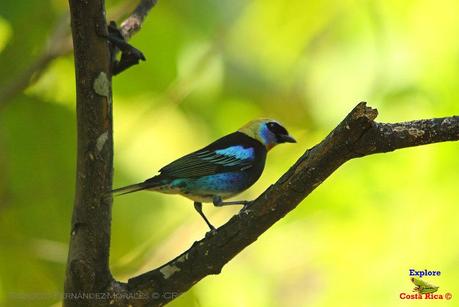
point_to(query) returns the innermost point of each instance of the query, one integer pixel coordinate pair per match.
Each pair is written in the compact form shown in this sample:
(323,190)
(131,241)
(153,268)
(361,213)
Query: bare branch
(357,135)
(389,137)
(133,23)
(60,44)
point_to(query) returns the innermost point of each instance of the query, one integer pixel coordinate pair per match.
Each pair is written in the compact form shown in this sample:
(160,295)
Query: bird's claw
(211,232)
(246,205)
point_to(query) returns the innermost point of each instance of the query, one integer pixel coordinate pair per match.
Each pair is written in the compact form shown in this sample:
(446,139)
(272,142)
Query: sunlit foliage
(211,66)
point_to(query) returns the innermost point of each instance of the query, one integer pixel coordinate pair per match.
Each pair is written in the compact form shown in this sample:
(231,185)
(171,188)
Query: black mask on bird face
(280,133)
(268,131)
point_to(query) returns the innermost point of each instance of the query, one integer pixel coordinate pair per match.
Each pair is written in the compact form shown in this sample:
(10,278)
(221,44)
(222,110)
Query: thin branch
(60,44)
(133,23)
(356,136)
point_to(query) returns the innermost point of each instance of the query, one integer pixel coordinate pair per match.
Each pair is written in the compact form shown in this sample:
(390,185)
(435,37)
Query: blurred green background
(212,66)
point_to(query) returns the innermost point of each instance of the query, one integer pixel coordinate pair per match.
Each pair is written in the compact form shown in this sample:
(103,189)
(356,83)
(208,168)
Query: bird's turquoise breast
(205,188)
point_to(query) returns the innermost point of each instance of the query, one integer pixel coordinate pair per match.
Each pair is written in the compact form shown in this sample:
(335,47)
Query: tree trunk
(88,278)
(88,271)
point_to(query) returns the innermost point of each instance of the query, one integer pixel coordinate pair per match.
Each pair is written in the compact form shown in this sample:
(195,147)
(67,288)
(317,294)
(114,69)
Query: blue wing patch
(238,152)
(209,162)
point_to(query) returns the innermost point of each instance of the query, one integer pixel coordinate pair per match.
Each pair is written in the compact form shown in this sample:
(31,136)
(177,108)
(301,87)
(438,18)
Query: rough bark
(356,136)
(88,278)
(87,264)
(134,22)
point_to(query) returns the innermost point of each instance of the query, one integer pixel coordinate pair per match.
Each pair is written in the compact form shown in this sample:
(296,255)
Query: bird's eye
(276,128)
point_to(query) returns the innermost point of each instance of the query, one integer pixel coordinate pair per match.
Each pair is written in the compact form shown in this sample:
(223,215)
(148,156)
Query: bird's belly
(203,189)
(206,198)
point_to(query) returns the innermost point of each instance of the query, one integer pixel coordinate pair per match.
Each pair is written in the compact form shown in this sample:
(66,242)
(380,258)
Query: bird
(220,170)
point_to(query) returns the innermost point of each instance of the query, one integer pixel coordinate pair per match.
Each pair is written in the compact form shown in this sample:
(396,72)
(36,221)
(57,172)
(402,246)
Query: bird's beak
(287,139)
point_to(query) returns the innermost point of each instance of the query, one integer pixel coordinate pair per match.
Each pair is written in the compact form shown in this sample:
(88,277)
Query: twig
(133,23)
(60,44)
(356,136)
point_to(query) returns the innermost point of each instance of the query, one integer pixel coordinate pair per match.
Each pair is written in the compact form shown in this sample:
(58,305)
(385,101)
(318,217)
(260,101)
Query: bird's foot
(198,208)
(211,232)
(218,202)
(247,205)
(129,55)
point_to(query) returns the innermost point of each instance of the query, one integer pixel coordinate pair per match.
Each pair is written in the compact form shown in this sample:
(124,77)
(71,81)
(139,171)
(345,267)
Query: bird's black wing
(231,153)
(204,163)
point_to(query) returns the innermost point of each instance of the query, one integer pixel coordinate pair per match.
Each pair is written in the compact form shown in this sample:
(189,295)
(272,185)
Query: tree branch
(133,23)
(357,135)
(88,278)
(60,44)
(87,263)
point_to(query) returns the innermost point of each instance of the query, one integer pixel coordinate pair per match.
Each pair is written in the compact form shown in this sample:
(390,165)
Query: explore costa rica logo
(424,289)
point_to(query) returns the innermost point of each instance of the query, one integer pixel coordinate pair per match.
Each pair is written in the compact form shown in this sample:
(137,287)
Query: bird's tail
(129,189)
(147,184)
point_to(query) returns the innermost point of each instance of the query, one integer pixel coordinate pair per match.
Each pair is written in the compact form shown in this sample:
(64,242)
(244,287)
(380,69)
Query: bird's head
(268,131)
